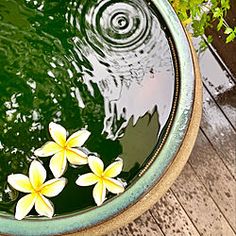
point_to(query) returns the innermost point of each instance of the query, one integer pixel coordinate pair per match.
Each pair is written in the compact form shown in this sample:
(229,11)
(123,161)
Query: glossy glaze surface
(178,130)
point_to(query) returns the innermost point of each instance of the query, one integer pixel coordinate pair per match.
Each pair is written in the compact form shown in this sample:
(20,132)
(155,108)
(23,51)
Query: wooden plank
(219,131)
(220,84)
(227,101)
(214,76)
(171,217)
(200,207)
(216,178)
(142,226)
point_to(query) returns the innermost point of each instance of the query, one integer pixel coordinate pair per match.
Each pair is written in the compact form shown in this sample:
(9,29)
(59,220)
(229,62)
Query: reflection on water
(132,66)
(105,65)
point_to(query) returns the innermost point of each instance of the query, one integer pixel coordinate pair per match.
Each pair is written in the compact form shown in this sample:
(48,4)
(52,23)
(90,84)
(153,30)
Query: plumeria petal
(58,133)
(44,207)
(99,193)
(102,178)
(114,169)
(58,164)
(87,179)
(37,174)
(53,187)
(96,165)
(76,157)
(48,149)
(24,206)
(78,138)
(20,182)
(114,186)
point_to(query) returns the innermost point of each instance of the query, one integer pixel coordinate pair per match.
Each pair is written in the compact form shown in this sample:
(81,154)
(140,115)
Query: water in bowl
(105,65)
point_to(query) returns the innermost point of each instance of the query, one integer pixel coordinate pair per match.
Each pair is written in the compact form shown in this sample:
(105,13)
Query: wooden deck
(202,201)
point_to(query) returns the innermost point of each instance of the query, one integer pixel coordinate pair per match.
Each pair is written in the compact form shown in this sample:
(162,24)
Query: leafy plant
(231,34)
(201,14)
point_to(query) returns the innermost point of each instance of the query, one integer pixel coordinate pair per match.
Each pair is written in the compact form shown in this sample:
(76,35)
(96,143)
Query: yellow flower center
(65,148)
(38,190)
(102,177)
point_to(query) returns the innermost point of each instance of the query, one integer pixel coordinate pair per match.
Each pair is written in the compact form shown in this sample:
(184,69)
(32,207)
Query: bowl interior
(122,69)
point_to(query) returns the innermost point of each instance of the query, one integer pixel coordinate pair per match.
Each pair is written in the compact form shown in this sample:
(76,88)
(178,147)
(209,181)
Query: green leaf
(225,4)
(220,24)
(209,39)
(231,37)
(194,9)
(217,13)
(203,45)
(228,30)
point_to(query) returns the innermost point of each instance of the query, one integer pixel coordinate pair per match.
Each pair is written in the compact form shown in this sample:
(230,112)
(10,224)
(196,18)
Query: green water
(103,65)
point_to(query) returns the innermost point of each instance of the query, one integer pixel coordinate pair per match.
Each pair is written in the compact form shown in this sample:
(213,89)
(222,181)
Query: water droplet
(8,194)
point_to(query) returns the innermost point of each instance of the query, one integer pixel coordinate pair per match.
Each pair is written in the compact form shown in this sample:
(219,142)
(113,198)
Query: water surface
(102,65)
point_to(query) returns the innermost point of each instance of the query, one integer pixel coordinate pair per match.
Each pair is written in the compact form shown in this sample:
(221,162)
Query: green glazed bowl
(156,178)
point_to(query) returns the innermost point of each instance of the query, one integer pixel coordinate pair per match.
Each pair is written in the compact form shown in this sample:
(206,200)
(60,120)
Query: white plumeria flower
(104,179)
(36,188)
(64,149)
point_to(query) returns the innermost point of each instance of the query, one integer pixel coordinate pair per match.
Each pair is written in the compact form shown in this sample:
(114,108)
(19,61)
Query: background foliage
(201,14)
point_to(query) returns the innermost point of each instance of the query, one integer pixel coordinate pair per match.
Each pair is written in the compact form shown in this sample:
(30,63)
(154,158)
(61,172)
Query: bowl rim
(172,172)
(83,221)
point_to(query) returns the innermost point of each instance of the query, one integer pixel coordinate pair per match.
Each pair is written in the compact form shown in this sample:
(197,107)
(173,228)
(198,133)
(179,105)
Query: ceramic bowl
(157,176)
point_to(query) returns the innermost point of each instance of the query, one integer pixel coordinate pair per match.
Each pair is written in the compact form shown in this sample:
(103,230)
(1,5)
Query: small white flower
(36,191)
(104,179)
(63,149)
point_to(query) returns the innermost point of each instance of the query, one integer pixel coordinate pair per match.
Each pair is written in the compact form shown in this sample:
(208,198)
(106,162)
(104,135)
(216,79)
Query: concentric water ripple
(119,25)
(130,54)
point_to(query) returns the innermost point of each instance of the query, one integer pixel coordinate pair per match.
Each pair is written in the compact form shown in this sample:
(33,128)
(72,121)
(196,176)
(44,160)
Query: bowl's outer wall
(77,222)
(172,172)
